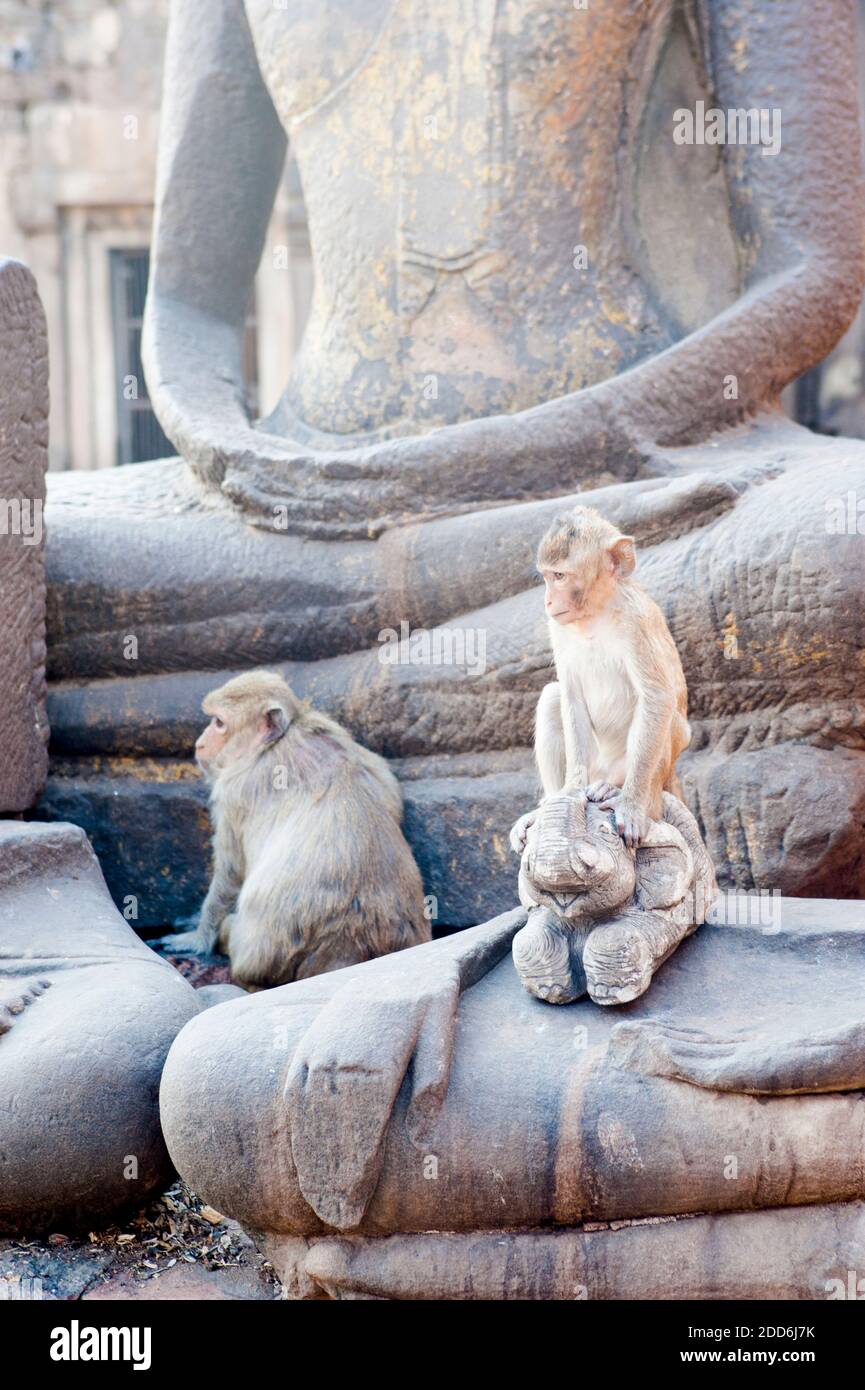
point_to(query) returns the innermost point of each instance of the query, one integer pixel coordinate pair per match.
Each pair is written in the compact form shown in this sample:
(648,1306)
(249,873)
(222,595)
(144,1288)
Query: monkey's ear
(623,556)
(274,723)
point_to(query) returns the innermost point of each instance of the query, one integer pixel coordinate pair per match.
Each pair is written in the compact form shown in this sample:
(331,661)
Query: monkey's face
(240,725)
(212,742)
(578,587)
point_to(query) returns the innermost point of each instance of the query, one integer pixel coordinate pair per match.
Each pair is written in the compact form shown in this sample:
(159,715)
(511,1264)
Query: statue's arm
(797,215)
(221,154)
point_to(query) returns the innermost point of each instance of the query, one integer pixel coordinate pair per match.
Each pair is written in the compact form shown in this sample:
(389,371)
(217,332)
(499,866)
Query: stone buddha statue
(529,285)
(527,288)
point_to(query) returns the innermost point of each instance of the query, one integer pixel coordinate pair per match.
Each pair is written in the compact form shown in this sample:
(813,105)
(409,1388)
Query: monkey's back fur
(328,877)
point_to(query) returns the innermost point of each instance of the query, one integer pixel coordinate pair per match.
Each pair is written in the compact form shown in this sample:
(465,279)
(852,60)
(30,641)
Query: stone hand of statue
(282,485)
(243,459)
(364,488)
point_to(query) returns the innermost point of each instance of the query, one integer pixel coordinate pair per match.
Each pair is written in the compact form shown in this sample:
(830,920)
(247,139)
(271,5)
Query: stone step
(149,824)
(785,818)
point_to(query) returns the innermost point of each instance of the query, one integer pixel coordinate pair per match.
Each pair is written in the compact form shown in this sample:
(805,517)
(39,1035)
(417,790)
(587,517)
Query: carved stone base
(428,1091)
(783,1253)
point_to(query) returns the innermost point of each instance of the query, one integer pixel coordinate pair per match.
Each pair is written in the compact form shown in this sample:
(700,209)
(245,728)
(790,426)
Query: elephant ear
(665,868)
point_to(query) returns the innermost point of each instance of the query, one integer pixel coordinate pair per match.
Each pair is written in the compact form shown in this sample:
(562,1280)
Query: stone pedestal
(781,1253)
(429,1093)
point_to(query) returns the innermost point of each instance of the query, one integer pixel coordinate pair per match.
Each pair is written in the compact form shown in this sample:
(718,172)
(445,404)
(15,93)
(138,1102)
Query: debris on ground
(177,1238)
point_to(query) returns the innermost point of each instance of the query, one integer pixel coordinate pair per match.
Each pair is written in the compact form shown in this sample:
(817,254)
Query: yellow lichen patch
(796,651)
(738,58)
(159,770)
(615,315)
(729,639)
(501,849)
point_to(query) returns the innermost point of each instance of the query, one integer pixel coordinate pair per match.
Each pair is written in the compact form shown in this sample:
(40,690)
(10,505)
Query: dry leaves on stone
(175,1227)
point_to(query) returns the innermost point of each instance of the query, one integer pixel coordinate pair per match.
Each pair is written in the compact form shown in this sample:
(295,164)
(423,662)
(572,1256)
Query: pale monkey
(311,871)
(615,720)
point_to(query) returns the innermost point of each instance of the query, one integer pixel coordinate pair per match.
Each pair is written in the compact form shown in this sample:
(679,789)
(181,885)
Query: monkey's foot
(547,960)
(183,943)
(14,999)
(520,831)
(619,963)
(632,823)
(602,791)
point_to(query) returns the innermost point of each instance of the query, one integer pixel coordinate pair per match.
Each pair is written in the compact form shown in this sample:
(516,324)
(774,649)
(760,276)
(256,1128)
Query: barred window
(139,434)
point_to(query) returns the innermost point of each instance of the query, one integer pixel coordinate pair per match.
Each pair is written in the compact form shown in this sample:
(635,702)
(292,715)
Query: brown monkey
(311,870)
(615,721)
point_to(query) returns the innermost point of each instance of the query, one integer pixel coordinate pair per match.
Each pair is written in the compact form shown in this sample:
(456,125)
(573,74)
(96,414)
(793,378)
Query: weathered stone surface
(783,818)
(208,995)
(205,591)
(23,461)
(457,828)
(793,1253)
(87,1013)
(149,825)
(428,1091)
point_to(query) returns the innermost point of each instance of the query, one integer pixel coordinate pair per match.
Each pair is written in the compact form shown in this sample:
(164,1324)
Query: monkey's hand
(520,831)
(184,943)
(632,822)
(602,791)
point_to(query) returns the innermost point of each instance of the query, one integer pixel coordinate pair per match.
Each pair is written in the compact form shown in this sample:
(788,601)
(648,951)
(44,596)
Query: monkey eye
(558,574)
(218,723)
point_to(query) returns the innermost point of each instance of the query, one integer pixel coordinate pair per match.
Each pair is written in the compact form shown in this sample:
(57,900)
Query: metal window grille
(139,434)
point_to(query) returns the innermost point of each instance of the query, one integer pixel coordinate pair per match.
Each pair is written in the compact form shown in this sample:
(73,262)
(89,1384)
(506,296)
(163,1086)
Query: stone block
(23,461)
(87,1014)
